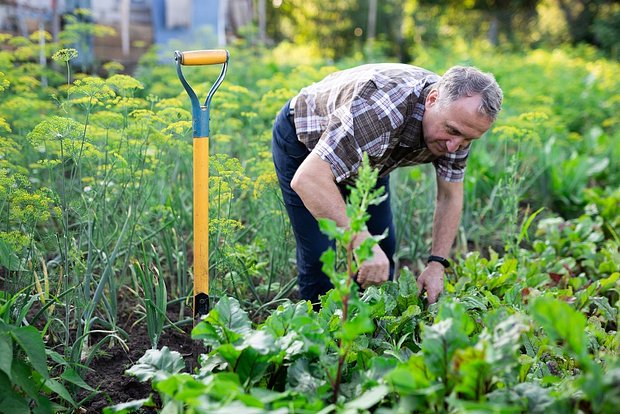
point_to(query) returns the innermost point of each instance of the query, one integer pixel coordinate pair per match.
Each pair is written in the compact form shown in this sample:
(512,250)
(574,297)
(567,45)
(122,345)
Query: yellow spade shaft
(200,115)
(201,221)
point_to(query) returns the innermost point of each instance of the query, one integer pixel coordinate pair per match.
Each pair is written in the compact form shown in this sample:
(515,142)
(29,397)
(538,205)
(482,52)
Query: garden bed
(106,373)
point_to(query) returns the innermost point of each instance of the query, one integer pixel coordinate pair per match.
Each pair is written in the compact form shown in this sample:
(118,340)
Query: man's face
(453,126)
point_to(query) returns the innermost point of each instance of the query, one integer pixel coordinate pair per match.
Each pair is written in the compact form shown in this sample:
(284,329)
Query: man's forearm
(315,185)
(448,208)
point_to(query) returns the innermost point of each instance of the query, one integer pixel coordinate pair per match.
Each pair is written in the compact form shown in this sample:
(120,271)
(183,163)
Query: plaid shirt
(374,108)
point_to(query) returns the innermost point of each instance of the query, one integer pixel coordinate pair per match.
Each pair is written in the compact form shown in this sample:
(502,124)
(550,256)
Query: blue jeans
(288,154)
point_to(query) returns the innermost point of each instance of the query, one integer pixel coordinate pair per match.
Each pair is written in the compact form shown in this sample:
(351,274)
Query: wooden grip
(203,57)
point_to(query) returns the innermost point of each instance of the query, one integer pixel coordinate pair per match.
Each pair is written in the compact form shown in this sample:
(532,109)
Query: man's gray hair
(463,81)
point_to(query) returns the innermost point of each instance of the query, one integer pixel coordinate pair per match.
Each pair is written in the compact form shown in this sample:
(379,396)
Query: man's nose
(454,144)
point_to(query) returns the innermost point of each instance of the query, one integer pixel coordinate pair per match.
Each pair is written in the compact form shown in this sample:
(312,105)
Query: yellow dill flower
(112,67)
(108,119)
(224,226)
(4,125)
(173,114)
(170,102)
(65,55)
(92,88)
(15,240)
(124,83)
(179,127)
(264,181)
(37,34)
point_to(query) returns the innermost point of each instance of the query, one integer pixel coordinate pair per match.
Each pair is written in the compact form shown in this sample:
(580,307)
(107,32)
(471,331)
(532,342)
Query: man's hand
(376,269)
(431,280)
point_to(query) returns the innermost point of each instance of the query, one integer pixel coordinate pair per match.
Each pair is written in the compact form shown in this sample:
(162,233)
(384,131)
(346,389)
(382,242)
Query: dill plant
(66,55)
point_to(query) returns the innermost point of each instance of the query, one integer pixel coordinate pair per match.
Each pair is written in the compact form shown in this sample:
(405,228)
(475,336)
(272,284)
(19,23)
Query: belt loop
(292,105)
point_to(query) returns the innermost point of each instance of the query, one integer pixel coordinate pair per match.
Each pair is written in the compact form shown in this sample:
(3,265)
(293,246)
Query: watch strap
(442,260)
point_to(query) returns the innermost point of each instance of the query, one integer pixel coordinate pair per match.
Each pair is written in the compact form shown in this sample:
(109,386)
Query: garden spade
(200,122)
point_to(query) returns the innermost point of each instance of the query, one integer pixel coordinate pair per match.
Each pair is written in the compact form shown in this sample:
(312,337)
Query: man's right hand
(376,269)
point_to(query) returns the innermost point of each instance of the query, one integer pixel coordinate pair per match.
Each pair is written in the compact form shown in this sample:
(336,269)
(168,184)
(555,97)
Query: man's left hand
(431,280)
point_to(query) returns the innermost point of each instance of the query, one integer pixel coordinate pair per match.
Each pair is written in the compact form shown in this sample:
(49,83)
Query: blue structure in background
(198,30)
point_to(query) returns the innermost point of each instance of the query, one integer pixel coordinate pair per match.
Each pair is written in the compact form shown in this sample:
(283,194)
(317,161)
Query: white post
(125,9)
(42,60)
(221,22)
(262,21)
(372,19)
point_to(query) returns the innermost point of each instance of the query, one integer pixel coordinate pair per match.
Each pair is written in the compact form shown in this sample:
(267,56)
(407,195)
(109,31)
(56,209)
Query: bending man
(401,115)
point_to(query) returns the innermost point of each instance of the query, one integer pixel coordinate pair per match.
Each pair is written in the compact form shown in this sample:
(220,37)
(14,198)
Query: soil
(107,372)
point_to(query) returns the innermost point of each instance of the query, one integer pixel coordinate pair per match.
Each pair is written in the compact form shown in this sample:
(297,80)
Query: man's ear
(432,97)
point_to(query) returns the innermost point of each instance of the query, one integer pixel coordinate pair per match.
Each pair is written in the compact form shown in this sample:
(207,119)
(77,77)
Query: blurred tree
(593,21)
(329,24)
(580,15)
(400,28)
(503,14)
(607,31)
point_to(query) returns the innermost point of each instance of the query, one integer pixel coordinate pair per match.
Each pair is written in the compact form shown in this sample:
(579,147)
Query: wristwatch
(444,262)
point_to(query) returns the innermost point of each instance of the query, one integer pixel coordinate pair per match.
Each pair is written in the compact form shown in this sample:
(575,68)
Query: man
(400,115)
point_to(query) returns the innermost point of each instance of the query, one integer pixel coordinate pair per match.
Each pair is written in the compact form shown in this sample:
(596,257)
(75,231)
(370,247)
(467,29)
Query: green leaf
(230,353)
(22,377)
(328,258)
(405,322)
(359,325)
(329,228)
(439,342)
(364,250)
(407,291)
(71,375)
(261,341)
(473,372)
(251,366)
(505,342)
(60,389)
(369,398)
(605,309)
(561,322)
(29,339)
(10,401)
(129,407)
(206,332)
(538,398)
(229,314)
(302,380)
(380,301)
(6,354)
(457,310)
(226,323)
(410,377)
(526,397)
(526,225)
(56,357)
(157,365)
(8,258)
(182,386)
(286,317)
